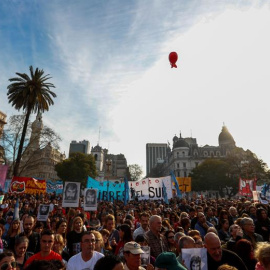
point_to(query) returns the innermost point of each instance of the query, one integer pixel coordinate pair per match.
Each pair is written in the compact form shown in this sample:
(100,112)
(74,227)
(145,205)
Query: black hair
(6,253)
(43,265)
(46,232)
(108,262)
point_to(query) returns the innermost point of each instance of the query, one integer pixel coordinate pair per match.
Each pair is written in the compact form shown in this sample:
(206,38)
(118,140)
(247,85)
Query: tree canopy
(31,94)
(135,172)
(77,168)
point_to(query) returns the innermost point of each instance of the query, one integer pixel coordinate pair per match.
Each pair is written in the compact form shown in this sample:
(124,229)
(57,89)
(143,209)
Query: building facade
(81,146)
(155,153)
(109,166)
(186,155)
(3,121)
(36,162)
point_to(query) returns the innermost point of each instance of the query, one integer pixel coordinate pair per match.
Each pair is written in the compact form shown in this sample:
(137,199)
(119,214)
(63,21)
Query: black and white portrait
(71,194)
(43,212)
(90,199)
(195,258)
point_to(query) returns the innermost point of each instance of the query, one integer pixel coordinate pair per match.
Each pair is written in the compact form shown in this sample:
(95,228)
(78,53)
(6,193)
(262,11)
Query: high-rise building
(155,153)
(82,147)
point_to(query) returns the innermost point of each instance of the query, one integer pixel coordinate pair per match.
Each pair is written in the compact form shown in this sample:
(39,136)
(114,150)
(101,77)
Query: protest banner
(43,212)
(56,187)
(184,183)
(246,186)
(151,188)
(108,190)
(27,185)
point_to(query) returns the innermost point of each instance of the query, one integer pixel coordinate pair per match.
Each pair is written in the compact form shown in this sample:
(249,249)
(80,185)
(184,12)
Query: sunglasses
(5,266)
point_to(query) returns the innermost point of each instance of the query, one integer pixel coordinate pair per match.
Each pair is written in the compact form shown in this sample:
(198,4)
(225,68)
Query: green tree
(32,94)
(135,172)
(77,168)
(212,174)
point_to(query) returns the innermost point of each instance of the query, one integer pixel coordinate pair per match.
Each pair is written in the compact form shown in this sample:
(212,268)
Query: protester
(168,261)
(202,224)
(13,231)
(216,256)
(169,235)
(109,262)
(59,247)
(7,261)
(61,227)
(144,225)
(46,252)
(125,236)
(262,254)
(20,251)
(88,257)
(262,224)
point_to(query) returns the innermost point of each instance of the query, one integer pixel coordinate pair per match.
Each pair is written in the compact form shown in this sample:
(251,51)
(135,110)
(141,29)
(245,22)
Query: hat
(133,248)
(168,261)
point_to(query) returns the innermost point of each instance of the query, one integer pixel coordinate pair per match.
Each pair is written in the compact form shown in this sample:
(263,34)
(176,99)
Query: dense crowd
(235,234)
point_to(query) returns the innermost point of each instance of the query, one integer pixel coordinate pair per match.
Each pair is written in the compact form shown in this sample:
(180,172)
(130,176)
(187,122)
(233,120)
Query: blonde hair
(98,237)
(226,267)
(59,239)
(74,220)
(262,253)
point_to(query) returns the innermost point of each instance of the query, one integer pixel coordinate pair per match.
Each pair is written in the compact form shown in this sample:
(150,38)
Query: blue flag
(16,210)
(126,194)
(165,194)
(179,194)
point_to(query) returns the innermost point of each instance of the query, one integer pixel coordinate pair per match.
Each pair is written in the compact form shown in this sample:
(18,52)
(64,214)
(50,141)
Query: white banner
(90,199)
(151,188)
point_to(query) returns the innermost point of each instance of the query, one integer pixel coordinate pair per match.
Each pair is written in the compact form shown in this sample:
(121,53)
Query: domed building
(186,155)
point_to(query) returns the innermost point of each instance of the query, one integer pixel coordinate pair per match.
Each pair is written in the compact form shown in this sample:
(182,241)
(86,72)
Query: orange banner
(184,183)
(27,185)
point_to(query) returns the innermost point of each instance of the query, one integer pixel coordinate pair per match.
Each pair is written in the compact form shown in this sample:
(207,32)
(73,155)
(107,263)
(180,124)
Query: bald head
(213,246)
(155,224)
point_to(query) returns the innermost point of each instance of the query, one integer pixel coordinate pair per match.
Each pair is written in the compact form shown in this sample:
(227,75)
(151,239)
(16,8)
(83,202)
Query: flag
(16,210)
(176,185)
(126,194)
(165,194)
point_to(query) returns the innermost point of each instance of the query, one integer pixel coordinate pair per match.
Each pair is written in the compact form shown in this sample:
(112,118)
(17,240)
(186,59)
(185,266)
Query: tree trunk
(19,156)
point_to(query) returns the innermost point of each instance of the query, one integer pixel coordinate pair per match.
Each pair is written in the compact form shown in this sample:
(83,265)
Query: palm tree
(32,94)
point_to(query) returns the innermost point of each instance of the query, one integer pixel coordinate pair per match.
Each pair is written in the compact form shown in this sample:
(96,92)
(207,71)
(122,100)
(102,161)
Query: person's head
(195,263)
(109,262)
(77,224)
(226,267)
(88,242)
(45,265)
(15,226)
(144,220)
(213,246)
(208,211)
(185,222)
(99,241)
(224,224)
(244,249)
(262,254)
(167,260)
(140,239)
(61,227)
(170,237)
(233,211)
(201,217)
(247,225)
(125,233)
(109,222)
(46,241)
(261,214)
(186,242)
(71,191)
(198,241)
(132,254)
(21,245)
(28,224)
(59,243)
(234,230)
(7,261)
(90,196)
(39,226)
(155,223)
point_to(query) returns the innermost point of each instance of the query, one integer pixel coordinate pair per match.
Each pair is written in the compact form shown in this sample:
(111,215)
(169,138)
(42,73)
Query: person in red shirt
(46,253)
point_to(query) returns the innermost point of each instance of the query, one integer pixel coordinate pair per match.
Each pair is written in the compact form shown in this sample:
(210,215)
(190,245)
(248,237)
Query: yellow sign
(184,183)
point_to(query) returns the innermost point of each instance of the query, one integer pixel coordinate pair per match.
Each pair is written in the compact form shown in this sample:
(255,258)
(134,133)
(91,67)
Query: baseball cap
(133,248)
(168,261)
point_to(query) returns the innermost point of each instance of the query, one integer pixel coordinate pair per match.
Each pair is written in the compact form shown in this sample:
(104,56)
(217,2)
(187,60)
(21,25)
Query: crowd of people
(139,235)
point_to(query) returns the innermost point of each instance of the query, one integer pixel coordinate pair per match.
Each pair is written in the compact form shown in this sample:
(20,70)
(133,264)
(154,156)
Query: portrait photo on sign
(71,194)
(90,199)
(195,258)
(43,212)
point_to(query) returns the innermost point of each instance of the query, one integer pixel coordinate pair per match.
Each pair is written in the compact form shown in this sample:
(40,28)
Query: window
(184,164)
(205,153)
(185,174)
(178,166)
(183,153)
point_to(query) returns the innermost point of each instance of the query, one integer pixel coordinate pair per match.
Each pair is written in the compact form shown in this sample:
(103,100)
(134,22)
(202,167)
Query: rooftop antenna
(98,135)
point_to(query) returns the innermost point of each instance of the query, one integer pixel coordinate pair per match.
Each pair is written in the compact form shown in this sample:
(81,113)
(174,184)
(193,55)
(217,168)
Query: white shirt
(76,262)
(139,231)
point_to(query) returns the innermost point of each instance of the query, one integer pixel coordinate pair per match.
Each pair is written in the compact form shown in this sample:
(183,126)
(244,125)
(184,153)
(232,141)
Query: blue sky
(109,63)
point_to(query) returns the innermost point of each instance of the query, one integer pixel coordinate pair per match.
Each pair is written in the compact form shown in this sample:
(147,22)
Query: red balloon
(173,59)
